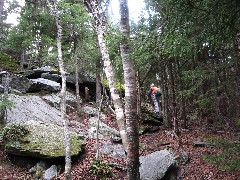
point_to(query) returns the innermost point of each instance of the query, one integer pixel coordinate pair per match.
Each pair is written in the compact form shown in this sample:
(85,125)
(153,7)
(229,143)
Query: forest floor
(195,169)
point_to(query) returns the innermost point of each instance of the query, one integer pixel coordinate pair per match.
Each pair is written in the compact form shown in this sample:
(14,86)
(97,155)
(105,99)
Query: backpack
(158,92)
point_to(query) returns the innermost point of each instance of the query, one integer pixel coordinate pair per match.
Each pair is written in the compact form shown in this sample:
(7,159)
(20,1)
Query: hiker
(155,93)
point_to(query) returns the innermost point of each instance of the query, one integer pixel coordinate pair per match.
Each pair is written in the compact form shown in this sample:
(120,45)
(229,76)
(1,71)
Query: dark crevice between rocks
(171,174)
(29,162)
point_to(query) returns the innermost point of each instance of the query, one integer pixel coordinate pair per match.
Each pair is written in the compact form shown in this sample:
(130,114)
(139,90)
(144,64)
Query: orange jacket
(154,89)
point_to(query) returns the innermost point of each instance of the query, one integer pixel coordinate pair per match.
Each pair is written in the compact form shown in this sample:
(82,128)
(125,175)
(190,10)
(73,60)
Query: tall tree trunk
(98,81)
(183,114)
(112,86)
(22,60)
(63,92)
(130,96)
(173,94)
(76,62)
(94,8)
(139,99)
(165,96)
(79,107)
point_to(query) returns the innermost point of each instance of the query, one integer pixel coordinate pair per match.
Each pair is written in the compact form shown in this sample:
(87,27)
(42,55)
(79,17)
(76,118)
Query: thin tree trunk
(183,114)
(130,96)
(22,60)
(98,81)
(97,128)
(165,96)
(139,113)
(174,108)
(63,93)
(79,107)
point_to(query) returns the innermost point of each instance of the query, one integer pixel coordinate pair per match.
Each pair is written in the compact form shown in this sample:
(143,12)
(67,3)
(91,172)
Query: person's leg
(156,105)
(158,97)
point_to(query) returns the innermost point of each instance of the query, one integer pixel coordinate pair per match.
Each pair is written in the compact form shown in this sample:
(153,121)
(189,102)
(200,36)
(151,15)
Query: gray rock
(155,165)
(104,130)
(83,77)
(29,107)
(44,140)
(37,170)
(50,173)
(1,89)
(116,151)
(54,100)
(20,83)
(44,84)
(44,69)
(25,85)
(52,77)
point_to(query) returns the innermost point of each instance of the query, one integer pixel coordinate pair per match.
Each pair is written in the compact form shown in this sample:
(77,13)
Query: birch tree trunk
(94,8)
(63,92)
(98,82)
(130,96)
(108,69)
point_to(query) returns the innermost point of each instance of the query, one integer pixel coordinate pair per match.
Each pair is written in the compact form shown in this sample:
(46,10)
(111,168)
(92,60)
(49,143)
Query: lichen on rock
(45,141)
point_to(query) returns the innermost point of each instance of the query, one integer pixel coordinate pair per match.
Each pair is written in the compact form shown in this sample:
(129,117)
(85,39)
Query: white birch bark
(108,69)
(94,8)
(63,92)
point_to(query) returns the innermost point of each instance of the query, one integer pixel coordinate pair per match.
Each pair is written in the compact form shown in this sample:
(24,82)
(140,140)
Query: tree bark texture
(165,95)
(79,107)
(63,93)
(139,99)
(130,96)
(174,104)
(113,87)
(98,82)
(94,8)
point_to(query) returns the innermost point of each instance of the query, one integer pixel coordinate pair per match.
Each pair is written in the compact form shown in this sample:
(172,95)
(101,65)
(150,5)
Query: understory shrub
(100,168)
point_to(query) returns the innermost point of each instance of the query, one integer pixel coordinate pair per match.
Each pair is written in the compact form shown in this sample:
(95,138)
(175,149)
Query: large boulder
(24,85)
(54,100)
(155,165)
(43,140)
(52,77)
(46,137)
(20,83)
(103,129)
(44,84)
(83,78)
(32,107)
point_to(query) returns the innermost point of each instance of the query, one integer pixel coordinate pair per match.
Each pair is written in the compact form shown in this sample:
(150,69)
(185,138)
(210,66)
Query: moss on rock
(45,141)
